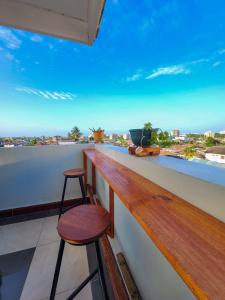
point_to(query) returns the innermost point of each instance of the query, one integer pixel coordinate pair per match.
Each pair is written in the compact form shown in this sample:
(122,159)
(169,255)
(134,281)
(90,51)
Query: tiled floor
(41,235)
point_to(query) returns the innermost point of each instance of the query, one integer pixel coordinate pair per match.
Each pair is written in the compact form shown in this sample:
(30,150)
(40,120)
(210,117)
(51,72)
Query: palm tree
(75,133)
(189,152)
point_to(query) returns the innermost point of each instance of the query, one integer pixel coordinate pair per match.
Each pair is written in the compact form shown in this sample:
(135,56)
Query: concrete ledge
(203,194)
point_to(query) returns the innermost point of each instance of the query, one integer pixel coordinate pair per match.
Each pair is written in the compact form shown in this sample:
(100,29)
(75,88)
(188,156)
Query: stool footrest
(82,285)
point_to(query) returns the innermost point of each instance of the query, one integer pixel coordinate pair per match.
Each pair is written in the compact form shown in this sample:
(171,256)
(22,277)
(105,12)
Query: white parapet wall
(34,175)
(155,277)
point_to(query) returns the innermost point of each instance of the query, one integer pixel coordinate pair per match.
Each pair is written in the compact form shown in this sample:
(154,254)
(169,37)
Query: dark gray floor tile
(13,272)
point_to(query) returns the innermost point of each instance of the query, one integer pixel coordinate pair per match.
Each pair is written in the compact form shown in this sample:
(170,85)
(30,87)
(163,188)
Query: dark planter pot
(138,134)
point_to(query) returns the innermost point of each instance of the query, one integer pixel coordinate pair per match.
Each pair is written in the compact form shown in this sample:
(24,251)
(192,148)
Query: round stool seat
(83,224)
(74,173)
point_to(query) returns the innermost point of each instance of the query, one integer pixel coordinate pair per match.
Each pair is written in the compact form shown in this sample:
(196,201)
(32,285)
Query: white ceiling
(76,20)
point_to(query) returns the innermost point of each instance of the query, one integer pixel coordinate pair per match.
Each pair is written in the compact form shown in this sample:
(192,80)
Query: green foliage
(189,152)
(163,136)
(167,143)
(122,141)
(154,138)
(148,126)
(195,136)
(220,135)
(33,142)
(210,141)
(75,133)
(164,139)
(8,140)
(93,129)
(154,134)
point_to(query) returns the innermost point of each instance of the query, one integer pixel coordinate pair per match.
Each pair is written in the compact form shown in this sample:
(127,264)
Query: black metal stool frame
(64,191)
(99,270)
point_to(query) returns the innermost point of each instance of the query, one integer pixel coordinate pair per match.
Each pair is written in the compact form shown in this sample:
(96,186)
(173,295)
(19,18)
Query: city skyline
(150,64)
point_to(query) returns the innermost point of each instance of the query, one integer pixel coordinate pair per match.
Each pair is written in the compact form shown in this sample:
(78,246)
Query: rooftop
(216,150)
(144,189)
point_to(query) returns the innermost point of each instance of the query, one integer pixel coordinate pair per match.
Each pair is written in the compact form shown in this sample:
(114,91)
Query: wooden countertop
(191,240)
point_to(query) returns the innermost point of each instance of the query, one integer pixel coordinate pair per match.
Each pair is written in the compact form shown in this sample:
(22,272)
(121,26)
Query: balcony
(31,183)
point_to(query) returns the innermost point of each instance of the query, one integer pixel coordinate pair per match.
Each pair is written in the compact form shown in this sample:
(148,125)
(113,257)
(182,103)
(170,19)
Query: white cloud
(222,51)
(55,95)
(36,38)
(134,77)
(217,63)
(171,70)
(199,61)
(10,40)
(9,56)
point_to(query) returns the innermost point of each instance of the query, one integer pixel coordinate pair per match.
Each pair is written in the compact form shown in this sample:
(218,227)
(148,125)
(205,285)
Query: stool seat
(74,173)
(83,224)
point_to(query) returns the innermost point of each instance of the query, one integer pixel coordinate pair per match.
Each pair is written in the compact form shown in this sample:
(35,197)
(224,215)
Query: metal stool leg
(63,195)
(82,190)
(82,285)
(57,270)
(101,271)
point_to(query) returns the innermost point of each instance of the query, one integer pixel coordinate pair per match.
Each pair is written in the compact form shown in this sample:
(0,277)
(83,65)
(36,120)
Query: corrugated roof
(216,150)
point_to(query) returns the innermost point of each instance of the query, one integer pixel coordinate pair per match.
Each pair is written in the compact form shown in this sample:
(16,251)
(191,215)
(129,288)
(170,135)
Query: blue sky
(154,60)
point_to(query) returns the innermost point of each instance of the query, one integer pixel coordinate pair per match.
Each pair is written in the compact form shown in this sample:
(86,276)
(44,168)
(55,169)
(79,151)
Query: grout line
(43,222)
(47,243)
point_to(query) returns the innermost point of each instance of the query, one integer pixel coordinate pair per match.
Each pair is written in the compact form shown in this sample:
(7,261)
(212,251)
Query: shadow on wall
(38,177)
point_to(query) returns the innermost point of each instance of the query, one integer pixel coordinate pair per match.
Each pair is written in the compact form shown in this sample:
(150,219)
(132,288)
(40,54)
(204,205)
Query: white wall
(220,158)
(34,175)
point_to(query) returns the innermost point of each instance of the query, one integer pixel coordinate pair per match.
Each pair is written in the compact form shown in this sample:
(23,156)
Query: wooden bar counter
(191,240)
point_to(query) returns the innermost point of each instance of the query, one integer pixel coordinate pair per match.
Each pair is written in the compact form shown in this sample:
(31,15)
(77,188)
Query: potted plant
(144,137)
(98,135)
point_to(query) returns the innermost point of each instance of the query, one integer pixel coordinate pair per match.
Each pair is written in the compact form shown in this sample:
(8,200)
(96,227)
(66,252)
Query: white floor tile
(49,232)
(39,280)
(20,236)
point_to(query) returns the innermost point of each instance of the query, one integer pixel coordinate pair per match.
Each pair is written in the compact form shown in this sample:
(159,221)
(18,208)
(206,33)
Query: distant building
(56,138)
(180,138)
(209,134)
(67,142)
(216,154)
(126,136)
(175,132)
(113,136)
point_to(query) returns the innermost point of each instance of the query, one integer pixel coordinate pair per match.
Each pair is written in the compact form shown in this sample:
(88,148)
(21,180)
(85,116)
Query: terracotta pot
(99,136)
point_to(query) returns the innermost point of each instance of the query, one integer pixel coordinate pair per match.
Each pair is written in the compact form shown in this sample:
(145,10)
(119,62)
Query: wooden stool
(80,226)
(72,173)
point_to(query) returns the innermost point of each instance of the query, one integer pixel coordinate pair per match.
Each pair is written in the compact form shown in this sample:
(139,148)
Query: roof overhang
(76,20)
